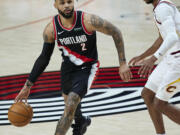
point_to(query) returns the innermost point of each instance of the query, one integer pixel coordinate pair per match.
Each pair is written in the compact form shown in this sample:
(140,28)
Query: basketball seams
(25,116)
(18,113)
(27,110)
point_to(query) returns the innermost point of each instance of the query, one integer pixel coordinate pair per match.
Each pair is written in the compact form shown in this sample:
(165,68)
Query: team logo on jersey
(171,89)
(78,29)
(59,33)
(73,40)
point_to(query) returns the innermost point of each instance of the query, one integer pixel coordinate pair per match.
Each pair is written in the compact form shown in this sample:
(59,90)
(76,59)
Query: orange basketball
(20,114)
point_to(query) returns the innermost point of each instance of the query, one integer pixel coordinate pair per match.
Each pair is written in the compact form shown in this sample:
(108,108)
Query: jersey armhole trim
(157,20)
(54,26)
(84,27)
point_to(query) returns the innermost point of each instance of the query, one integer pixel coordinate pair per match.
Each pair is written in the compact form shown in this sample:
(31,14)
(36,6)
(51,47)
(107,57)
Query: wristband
(122,60)
(29,84)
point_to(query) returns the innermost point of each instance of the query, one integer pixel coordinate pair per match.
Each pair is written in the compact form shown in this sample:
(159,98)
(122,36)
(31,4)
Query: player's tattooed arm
(48,34)
(96,23)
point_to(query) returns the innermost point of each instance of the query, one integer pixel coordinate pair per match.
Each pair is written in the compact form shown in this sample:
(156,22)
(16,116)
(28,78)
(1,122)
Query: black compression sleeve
(41,62)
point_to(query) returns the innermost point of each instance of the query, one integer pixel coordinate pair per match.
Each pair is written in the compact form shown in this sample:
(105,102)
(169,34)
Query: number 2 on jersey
(83,45)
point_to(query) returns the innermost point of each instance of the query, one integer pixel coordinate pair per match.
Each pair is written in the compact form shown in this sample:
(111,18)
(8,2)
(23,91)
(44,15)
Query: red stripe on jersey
(173,53)
(157,20)
(84,27)
(74,22)
(83,58)
(97,72)
(54,28)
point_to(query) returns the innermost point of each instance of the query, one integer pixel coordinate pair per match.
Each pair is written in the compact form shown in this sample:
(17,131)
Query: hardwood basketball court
(21,27)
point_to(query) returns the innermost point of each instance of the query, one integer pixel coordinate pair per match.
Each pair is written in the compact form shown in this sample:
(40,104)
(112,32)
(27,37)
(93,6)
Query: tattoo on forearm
(67,118)
(108,28)
(120,46)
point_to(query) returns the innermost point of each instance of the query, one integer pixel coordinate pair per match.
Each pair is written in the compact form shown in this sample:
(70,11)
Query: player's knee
(147,95)
(71,104)
(160,105)
(69,111)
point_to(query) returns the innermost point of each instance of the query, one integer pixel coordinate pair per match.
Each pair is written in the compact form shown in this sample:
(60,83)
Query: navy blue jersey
(78,46)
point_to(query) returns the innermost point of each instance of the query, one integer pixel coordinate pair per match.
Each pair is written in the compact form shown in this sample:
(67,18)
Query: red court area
(48,84)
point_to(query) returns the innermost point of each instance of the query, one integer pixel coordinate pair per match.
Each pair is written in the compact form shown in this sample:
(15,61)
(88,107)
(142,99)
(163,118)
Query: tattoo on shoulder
(96,21)
(103,25)
(108,28)
(47,35)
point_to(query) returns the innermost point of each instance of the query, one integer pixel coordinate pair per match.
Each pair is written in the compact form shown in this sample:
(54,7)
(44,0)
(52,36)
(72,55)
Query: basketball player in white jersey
(75,33)
(164,81)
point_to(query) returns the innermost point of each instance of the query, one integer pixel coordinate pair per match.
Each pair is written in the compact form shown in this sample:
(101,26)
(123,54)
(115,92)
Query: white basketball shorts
(165,79)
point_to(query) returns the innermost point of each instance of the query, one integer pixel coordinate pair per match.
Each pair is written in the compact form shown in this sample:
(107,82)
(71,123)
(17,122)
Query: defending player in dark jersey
(75,33)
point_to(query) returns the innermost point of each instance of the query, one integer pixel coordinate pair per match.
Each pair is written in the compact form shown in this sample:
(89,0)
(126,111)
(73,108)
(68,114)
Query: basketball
(20,114)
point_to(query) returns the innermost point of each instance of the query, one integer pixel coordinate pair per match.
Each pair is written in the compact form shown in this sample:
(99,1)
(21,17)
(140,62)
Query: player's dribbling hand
(147,67)
(23,94)
(135,61)
(125,72)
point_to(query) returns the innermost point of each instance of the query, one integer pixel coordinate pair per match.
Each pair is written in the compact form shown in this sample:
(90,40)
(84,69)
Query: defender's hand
(125,72)
(147,67)
(23,94)
(135,61)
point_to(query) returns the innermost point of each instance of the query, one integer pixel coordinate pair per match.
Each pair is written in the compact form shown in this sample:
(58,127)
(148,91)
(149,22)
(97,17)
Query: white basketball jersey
(164,9)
